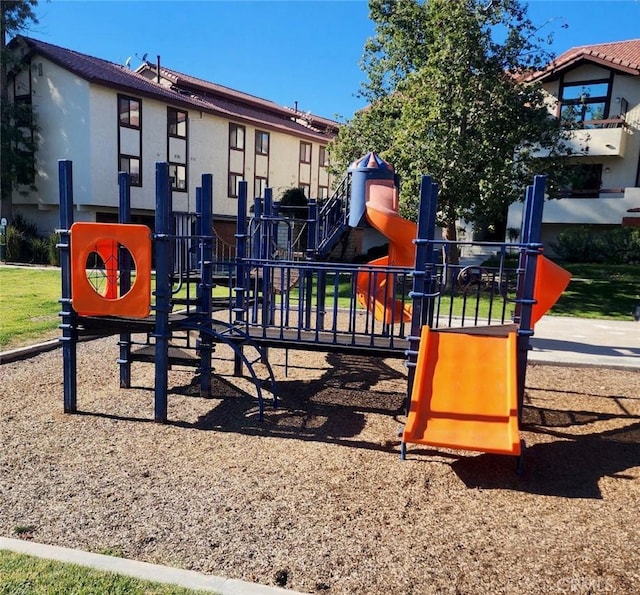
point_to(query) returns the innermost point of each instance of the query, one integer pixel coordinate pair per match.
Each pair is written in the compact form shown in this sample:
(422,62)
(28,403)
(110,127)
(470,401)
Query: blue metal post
(206,282)
(124,266)
(531,227)
(69,337)
(422,304)
(163,289)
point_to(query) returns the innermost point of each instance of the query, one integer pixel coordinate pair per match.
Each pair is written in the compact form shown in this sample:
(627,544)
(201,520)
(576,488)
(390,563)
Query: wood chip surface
(315,498)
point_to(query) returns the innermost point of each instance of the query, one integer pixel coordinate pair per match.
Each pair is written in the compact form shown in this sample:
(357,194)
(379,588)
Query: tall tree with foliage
(447,97)
(17,143)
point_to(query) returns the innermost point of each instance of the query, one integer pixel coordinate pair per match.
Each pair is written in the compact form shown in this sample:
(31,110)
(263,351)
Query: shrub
(54,252)
(15,245)
(293,197)
(21,224)
(615,246)
(24,244)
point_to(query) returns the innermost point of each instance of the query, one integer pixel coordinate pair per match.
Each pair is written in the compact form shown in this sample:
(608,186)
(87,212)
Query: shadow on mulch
(333,409)
(330,409)
(569,467)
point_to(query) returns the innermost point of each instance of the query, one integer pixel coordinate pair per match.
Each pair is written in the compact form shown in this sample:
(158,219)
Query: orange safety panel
(465,393)
(551,280)
(103,239)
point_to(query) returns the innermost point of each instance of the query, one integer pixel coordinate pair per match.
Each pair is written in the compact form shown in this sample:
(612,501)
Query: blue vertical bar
(307,275)
(242,274)
(199,226)
(124,265)
(265,255)
(206,281)
(241,252)
(255,238)
(163,289)
(526,215)
(69,337)
(312,229)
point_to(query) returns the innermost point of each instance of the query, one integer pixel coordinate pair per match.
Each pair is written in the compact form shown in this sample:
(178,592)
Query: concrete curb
(21,353)
(141,570)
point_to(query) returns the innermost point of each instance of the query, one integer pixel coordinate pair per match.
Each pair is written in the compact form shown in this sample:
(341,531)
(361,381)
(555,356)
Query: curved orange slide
(376,292)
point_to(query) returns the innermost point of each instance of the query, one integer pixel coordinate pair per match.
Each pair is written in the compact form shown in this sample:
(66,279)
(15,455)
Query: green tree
(448,97)
(18,127)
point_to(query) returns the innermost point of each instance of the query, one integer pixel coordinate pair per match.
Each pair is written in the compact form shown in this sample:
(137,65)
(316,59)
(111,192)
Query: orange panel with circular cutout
(96,249)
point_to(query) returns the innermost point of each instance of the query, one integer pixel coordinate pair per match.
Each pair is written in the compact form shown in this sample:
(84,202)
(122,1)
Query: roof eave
(555,70)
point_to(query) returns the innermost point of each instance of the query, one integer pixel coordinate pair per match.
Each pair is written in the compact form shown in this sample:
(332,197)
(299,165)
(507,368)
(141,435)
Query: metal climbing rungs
(235,337)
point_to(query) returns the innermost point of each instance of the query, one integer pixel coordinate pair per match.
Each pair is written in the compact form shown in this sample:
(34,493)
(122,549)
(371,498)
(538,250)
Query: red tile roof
(212,91)
(623,56)
(212,98)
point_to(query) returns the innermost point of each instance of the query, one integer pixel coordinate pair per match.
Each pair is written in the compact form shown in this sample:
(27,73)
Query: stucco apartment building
(595,89)
(107,118)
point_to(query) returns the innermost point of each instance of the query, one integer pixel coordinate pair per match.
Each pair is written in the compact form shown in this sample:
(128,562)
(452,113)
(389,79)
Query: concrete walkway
(141,570)
(568,341)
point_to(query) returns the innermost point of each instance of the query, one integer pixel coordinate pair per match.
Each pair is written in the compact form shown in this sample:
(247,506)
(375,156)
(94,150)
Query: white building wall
(61,103)
(103,137)
(208,153)
(79,121)
(620,164)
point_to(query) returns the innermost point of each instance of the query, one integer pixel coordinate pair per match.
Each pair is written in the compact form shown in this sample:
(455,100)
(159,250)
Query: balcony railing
(608,123)
(599,138)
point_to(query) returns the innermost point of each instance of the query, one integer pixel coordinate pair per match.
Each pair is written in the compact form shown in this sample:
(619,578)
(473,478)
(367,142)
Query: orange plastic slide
(465,391)
(377,292)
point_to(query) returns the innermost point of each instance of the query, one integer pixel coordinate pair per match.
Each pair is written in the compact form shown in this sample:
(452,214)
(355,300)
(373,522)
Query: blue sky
(286,51)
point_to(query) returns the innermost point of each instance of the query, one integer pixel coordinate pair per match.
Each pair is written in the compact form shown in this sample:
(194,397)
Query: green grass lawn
(600,291)
(28,303)
(27,575)
(29,298)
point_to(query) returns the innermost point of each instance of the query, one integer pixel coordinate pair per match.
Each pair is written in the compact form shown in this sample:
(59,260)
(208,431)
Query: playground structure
(463,330)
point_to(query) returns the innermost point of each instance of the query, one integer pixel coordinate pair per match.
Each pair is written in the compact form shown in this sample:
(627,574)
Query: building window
(305,152)
(323,157)
(177,146)
(130,138)
(323,192)
(178,175)
(232,189)
(236,137)
(259,186)
(177,122)
(236,158)
(586,181)
(129,111)
(262,143)
(584,102)
(131,165)
(306,188)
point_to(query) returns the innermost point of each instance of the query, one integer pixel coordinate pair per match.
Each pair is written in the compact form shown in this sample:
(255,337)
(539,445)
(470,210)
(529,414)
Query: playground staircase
(333,219)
